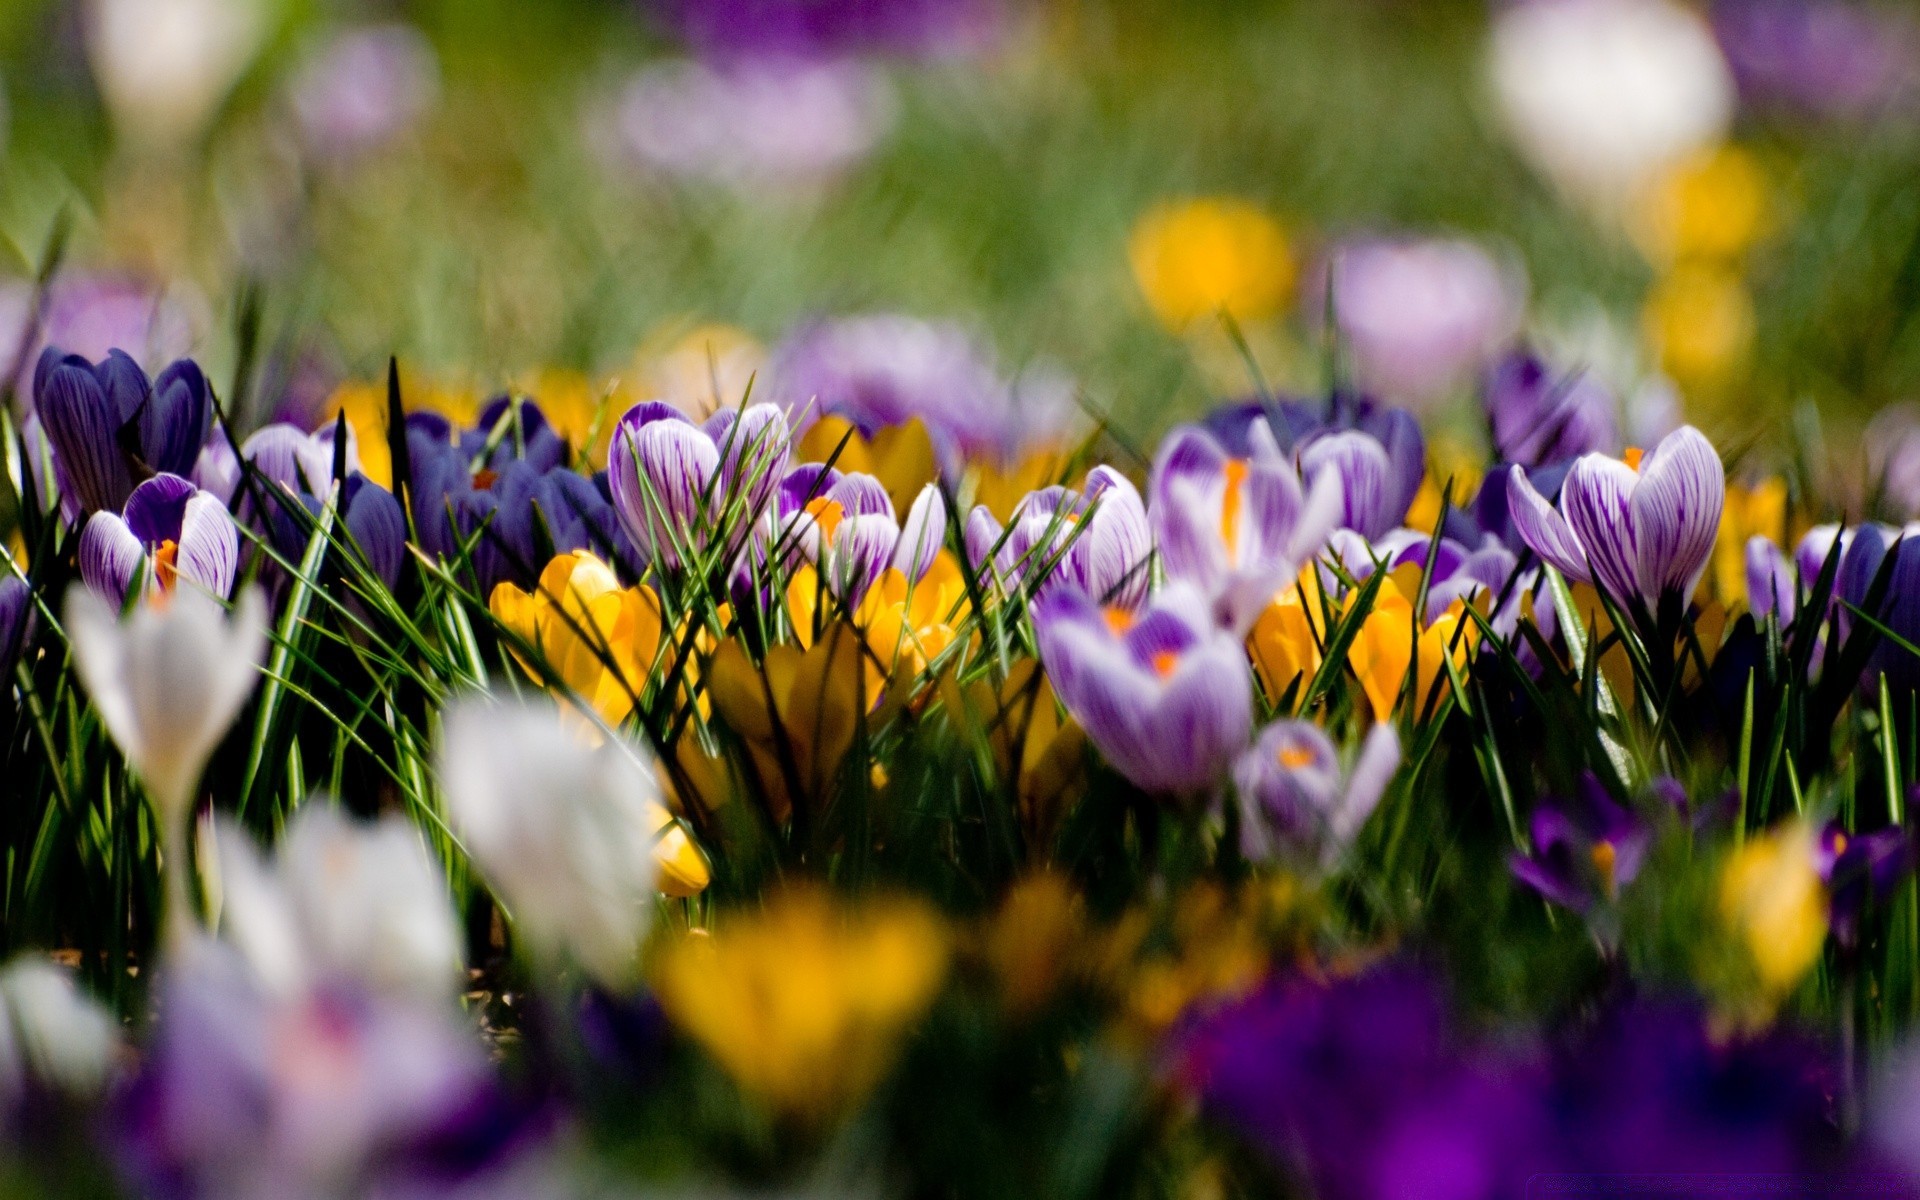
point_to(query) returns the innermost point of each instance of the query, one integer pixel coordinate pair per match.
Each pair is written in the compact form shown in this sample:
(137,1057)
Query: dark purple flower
(1584,849)
(1163,693)
(1867,552)
(170,531)
(1096,540)
(1827,58)
(1858,867)
(82,407)
(372,519)
(16,624)
(1639,535)
(1539,418)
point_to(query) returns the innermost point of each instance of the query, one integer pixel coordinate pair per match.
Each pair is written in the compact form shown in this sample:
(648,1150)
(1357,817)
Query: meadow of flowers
(789,610)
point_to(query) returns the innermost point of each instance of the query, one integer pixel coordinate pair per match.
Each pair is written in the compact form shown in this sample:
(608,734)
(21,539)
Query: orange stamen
(827,514)
(1236,474)
(1119,620)
(164,570)
(485,478)
(1293,757)
(1164,663)
(1633,456)
(1604,857)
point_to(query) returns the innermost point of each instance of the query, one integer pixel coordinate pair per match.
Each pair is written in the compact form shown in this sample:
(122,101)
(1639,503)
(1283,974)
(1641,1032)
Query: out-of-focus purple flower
(1109,549)
(815,28)
(1824,58)
(16,624)
(1239,528)
(1584,849)
(676,486)
(1893,1112)
(1539,418)
(1163,693)
(1297,804)
(1421,316)
(1899,609)
(330,1091)
(1891,443)
(884,369)
(84,407)
(92,314)
(753,124)
(1857,867)
(1374,497)
(363,88)
(1640,535)
(293,458)
(1771,588)
(170,531)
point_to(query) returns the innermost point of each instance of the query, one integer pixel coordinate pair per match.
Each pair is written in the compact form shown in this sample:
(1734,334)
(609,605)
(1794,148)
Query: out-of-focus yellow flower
(1196,259)
(581,410)
(899,456)
(797,712)
(1217,948)
(1033,941)
(365,404)
(698,370)
(1385,646)
(1759,510)
(1699,318)
(1285,640)
(1775,906)
(599,638)
(804,1003)
(1712,205)
(1001,488)
(1033,740)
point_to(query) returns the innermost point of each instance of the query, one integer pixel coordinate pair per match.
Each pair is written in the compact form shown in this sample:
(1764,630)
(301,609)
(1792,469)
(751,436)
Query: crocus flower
(1771,589)
(599,639)
(16,625)
(330,1091)
(1824,58)
(1238,528)
(844,525)
(1421,316)
(1584,849)
(1603,95)
(1162,692)
(363,88)
(1296,801)
(797,712)
(90,314)
(1867,551)
(1857,867)
(370,517)
(1774,905)
(339,900)
(1640,535)
(84,406)
(294,458)
(1392,642)
(564,831)
(1539,417)
(60,1043)
(171,531)
(676,485)
(831,28)
(1096,540)
(1375,450)
(164,66)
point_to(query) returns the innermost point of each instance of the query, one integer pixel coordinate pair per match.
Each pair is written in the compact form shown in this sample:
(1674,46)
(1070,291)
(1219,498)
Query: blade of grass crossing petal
(273,691)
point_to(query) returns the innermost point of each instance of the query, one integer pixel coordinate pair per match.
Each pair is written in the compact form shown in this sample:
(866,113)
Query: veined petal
(173,425)
(110,555)
(1110,556)
(157,507)
(84,432)
(860,494)
(1372,772)
(982,534)
(923,533)
(1676,512)
(1597,501)
(1362,466)
(1544,530)
(861,549)
(1186,528)
(209,545)
(1188,454)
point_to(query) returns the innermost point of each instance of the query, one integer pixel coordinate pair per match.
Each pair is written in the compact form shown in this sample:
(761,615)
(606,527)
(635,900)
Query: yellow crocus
(1033,740)
(899,456)
(906,624)
(1713,205)
(1775,905)
(1759,510)
(1197,259)
(1002,487)
(797,712)
(596,637)
(804,1003)
(1285,640)
(1385,646)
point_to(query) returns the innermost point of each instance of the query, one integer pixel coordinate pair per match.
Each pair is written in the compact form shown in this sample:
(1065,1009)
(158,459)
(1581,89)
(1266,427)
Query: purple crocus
(1584,849)
(281,454)
(16,624)
(845,525)
(1640,536)
(1858,867)
(84,407)
(170,531)
(363,88)
(1771,587)
(1238,528)
(1867,552)
(1163,692)
(1375,450)
(370,515)
(831,28)
(1834,59)
(1297,803)
(1096,540)
(677,486)
(1539,417)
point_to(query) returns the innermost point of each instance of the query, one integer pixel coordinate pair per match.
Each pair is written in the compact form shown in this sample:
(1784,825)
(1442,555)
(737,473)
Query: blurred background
(1148,205)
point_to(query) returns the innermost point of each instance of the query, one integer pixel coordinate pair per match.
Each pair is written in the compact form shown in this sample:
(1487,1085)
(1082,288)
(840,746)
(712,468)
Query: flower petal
(1543,529)
(209,553)
(110,555)
(1676,512)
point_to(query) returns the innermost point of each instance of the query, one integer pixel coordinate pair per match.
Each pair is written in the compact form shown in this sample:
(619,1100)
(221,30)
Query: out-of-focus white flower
(168,681)
(340,899)
(1603,95)
(1422,315)
(51,1033)
(364,87)
(562,829)
(164,66)
(748,123)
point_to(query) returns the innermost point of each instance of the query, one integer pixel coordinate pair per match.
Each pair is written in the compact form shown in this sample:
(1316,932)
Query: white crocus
(563,830)
(164,66)
(1604,95)
(339,899)
(51,1033)
(167,682)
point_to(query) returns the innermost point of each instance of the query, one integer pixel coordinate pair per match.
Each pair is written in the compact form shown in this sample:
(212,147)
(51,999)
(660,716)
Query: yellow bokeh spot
(1774,904)
(1200,258)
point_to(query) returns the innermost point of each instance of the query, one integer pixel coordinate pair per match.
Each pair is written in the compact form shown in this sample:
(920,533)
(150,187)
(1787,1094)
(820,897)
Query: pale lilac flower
(817,28)
(1163,692)
(92,314)
(1770,581)
(1640,536)
(1096,540)
(170,532)
(1298,803)
(1240,529)
(363,88)
(1422,316)
(751,124)
(676,485)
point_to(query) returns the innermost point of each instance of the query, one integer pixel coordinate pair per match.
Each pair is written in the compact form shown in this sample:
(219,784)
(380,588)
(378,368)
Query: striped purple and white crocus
(170,531)
(845,525)
(1240,528)
(676,485)
(1096,539)
(1297,804)
(1163,692)
(1643,536)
